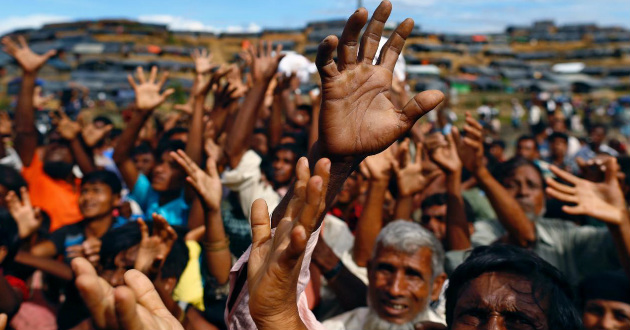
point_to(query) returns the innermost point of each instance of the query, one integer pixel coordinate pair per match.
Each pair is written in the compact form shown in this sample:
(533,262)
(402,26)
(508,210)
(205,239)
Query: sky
(459,16)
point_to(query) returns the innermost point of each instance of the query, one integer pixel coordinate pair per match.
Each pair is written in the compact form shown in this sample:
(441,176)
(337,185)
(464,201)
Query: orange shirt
(57,197)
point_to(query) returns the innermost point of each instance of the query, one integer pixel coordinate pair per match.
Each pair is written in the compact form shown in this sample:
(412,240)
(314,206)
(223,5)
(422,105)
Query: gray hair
(409,237)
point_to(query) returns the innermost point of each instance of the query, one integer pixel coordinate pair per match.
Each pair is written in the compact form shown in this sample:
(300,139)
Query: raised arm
(70,130)
(603,201)
(209,189)
(148,98)
(357,117)
(380,168)
(443,151)
(520,228)
(264,67)
(26,138)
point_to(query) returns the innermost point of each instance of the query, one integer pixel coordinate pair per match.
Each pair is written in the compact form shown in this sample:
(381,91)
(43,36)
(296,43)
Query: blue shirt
(175,212)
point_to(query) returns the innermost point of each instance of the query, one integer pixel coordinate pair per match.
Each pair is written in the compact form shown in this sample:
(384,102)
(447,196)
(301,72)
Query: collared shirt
(355,319)
(175,212)
(577,251)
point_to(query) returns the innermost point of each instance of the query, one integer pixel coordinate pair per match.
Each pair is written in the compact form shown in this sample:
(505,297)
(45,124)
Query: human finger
(421,104)
(309,215)
(394,45)
(26,198)
(564,175)
(560,187)
(349,42)
(140,75)
(372,36)
(324,60)
(261,224)
(144,229)
(144,290)
(153,74)
(131,81)
(126,309)
(553,193)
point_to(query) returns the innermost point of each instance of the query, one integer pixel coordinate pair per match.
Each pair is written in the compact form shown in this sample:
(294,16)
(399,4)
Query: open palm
(148,96)
(603,200)
(357,115)
(26,58)
(207,184)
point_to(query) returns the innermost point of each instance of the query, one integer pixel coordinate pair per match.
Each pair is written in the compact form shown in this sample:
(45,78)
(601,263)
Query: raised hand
(275,262)
(380,166)
(443,151)
(470,148)
(67,128)
(133,306)
(154,248)
(409,175)
(203,61)
(264,63)
(603,200)
(26,58)
(148,96)
(357,116)
(234,79)
(93,135)
(27,218)
(206,184)
(38,100)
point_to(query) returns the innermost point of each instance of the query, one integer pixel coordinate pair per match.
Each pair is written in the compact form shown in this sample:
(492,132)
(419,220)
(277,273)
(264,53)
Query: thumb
(421,104)
(50,53)
(611,170)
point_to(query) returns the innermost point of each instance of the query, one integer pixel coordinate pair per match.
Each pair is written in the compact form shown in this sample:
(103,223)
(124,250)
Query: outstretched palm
(28,60)
(148,96)
(357,115)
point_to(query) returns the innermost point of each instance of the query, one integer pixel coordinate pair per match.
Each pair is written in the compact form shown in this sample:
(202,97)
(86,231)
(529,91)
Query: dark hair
(499,143)
(558,135)
(299,152)
(106,177)
(141,149)
(176,261)
(9,235)
(103,119)
(527,138)
(11,179)
(547,282)
(612,285)
(434,200)
(168,146)
(596,126)
(128,235)
(175,130)
(505,170)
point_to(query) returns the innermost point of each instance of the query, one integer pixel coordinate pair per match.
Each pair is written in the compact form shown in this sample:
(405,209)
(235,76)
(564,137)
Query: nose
(397,284)
(608,322)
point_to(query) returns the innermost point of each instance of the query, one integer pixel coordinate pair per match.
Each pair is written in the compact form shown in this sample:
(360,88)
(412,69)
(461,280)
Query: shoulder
(353,319)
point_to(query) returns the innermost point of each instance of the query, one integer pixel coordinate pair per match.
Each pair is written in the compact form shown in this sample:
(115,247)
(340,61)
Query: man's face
(526,186)
(496,151)
(558,148)
(283,166)
(58,152)
(350,190)
(400,284)
(144,163)
(527,149)
(606,315)
(598,135)
(499,301)
(259,143)
(433,219)
(167,175)
(96,200)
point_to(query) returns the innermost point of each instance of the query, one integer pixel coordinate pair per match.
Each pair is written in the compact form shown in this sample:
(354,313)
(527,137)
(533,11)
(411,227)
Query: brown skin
(398,278)
(436,224)
(167,175)
(602,314)
(558,148)
(349,191)
(96,200)
(527,149)
(144,163)
(525,185)
(597,136)
(283,167)
(499,301)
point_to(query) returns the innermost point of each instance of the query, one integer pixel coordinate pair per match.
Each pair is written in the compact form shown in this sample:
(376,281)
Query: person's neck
(558,159)
(98,226)
(169,195)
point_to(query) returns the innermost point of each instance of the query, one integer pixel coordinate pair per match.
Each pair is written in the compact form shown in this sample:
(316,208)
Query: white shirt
(355,319)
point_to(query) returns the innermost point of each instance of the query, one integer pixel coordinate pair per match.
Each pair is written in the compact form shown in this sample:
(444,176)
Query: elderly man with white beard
(406,274)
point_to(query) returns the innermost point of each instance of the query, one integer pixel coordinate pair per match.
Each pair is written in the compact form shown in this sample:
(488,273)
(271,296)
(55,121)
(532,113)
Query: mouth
(394,308)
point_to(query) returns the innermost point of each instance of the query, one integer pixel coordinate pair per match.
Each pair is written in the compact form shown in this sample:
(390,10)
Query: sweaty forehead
(501,292)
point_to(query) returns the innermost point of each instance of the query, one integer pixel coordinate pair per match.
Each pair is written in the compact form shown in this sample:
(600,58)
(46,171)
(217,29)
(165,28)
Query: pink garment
(35,314)
(238,317)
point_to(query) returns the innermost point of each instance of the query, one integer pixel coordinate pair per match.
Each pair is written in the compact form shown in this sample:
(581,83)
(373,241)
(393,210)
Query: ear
(116,199)
(438,282)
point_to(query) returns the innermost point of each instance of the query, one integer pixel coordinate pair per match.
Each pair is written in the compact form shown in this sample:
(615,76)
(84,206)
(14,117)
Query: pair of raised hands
(69,129)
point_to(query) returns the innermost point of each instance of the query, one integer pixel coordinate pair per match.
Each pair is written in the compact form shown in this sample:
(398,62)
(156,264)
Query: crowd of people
(336,209)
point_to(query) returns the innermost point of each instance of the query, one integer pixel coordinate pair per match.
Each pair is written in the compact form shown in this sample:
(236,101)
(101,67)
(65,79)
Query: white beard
(374,322)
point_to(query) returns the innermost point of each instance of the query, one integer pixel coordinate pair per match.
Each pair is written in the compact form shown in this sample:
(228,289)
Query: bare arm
(148,98)
(11,300)
(275,122)
(26,138)
(51,266)
(264,67)
(314,131)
